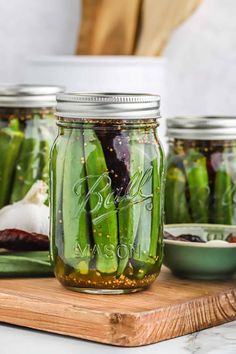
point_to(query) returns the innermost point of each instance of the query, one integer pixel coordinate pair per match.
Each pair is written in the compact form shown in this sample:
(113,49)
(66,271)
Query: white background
(34,27)
(201,53)
(202,61)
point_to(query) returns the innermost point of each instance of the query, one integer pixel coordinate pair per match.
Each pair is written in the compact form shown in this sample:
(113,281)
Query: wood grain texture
(108,27)
(171,307)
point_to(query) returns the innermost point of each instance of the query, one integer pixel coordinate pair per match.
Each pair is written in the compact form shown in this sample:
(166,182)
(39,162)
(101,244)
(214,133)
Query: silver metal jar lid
(108,105)
(201,128)
(28,96)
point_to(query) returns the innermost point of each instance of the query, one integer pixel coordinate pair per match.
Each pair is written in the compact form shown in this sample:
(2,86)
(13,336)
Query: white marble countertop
(217,340)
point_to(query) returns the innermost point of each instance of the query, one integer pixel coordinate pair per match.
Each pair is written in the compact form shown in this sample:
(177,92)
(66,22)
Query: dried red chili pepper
(19,240)
(231,239)
(184,237)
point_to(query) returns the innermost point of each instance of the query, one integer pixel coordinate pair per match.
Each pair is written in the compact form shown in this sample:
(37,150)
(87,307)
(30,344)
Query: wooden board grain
(171,307)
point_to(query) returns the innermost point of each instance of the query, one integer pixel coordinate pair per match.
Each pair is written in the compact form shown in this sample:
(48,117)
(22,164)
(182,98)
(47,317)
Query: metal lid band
(202,128)
(108,105)
(28,96)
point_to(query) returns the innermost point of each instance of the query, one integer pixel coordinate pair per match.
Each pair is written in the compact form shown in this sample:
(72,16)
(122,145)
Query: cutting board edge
(107,341)
(116,324)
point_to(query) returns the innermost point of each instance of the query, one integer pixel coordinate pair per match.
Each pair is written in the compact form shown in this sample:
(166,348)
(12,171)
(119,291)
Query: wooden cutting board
(170,308)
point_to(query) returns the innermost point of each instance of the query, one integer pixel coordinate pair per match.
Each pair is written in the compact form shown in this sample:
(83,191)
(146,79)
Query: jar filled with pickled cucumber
(106,177)
(26,134)
(201,172)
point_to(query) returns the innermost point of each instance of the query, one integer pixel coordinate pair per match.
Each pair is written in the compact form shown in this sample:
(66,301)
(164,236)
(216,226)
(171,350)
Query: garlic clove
(29,214)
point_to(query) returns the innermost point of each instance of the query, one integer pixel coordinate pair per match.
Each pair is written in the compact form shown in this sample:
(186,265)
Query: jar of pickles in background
(201,172)
(107,192)
(27,130)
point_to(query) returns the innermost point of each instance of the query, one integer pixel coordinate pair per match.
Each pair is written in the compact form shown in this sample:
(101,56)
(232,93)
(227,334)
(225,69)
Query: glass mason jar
(26,134)
(201,171)
(106,182)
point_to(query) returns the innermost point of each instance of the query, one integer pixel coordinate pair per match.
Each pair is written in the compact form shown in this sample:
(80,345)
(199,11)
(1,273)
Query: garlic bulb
(30,214)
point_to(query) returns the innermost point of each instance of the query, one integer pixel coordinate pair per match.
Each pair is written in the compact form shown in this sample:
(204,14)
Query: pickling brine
(106,201)
(26,135)
(201,172)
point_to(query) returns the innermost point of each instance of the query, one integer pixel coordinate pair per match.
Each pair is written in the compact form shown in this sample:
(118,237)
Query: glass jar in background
(26,134)
(201,171)
(107,192)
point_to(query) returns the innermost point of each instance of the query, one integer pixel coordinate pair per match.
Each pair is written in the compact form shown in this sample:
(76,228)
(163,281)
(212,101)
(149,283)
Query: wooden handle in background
(158,20)
(108,27)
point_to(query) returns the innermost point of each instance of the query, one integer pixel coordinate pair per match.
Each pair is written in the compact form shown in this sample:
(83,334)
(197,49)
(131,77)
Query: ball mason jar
(201,171)
(107,174)
(26,134)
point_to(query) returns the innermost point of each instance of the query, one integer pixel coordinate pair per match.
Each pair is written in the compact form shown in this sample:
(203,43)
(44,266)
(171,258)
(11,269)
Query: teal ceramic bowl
(215,259)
